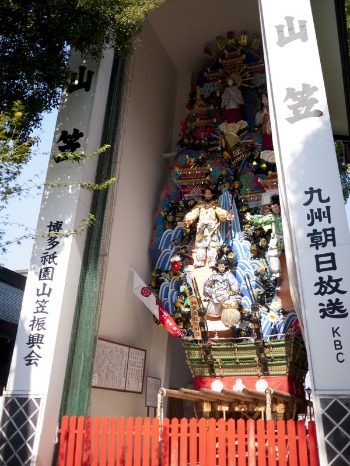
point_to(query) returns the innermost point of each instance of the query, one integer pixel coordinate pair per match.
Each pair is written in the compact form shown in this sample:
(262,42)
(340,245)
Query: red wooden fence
(144,442)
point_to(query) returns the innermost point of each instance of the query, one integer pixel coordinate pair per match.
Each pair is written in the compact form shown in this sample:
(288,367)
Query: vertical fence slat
(71,440)
(165,435)
(138,441)
(281,443)
(261,439)
(112,441)
(251,442)
(271,442)
(95,440)
(292,443)
(129,434)
(120,442)
(146,455)
(241,440)
(222,442)
(231,443)
(193,442)
(64,432)
(103,441)
(302,445)
(312,442)
(87,441)
(211,442)
(174,443)
(79,441)
(183,441)
(202,444)
(155,442)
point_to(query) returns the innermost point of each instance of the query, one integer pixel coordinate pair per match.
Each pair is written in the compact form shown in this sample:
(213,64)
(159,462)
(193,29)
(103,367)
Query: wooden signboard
(194,306)
(118,367)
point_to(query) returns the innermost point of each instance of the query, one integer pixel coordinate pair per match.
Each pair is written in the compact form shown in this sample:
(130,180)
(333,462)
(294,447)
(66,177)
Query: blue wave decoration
(246,302)
(168,294)
(163,262)
(242,249)
(166,239)
(289,320)
(256,264)
(164,292)
(173,295)
(177,235)
(175,284)
(169,240)
(266,324)
(226,201)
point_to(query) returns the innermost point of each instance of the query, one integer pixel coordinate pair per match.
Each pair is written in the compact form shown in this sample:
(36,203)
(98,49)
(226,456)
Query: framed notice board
(118,367)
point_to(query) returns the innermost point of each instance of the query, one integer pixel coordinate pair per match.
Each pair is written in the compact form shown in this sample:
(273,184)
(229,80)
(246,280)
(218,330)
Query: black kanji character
(311,192)
(35,340)
(322,238)
(46,273)
(49,258)
(32,358)
(38,324)
(81,84)
(52,242)
(325,262)
(70,141)
(41,306)
(55,226)
(329,286)
(318,214)
(43,292)
(334,309)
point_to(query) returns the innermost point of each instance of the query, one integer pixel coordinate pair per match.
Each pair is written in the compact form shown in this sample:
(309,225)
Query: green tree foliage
(347,13)
(14,155)
(344,170)
(35,38)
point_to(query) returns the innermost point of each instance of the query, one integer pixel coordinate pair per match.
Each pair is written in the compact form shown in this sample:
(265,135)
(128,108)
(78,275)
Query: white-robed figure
(209,215)
(231,100)
(219,288)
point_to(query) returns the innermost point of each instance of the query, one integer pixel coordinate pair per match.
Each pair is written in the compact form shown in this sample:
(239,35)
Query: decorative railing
(144,441)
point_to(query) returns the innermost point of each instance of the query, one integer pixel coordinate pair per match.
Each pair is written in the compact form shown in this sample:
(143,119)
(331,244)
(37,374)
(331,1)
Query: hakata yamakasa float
(217,250)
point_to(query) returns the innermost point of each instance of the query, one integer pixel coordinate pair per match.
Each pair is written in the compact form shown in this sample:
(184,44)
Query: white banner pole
(315,218)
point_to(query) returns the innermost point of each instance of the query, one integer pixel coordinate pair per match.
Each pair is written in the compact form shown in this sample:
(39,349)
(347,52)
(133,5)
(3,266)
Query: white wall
(142,172)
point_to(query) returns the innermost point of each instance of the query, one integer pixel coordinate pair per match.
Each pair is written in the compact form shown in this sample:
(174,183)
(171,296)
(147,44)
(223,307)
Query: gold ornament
(256,43)
(243,39)
(220,43)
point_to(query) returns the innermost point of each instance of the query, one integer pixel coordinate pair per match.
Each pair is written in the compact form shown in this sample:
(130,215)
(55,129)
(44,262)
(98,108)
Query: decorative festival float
(217,247)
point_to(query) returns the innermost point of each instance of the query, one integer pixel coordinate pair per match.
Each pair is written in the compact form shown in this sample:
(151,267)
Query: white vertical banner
(308,170)
(51,262)
(44,331)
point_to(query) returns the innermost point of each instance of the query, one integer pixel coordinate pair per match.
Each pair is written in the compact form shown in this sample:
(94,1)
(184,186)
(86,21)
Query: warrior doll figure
(209,215)
(276,244)
(220,287)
